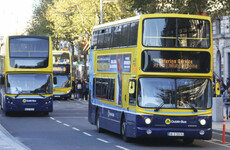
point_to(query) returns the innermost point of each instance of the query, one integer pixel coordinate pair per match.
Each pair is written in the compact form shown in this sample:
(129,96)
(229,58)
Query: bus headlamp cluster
(203,122)
(148,120)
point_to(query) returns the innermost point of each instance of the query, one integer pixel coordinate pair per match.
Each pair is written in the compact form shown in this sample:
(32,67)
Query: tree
(73,20)
(213,7)
(39,25)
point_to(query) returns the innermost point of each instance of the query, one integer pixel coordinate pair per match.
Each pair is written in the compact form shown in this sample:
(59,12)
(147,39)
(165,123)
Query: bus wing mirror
(217,88)
(2,80)
(132,87)
(55,80)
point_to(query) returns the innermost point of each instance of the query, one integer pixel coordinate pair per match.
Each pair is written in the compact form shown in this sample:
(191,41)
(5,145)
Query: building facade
(221,47)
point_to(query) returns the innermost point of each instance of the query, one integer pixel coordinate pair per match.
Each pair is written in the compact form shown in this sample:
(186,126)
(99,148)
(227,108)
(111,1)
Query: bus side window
(133,34)
(132,95)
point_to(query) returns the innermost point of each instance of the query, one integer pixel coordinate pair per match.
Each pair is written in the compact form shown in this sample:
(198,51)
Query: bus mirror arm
(55,80)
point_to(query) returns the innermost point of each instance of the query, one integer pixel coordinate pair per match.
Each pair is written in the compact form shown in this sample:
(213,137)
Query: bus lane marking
(75,129)
(58,121)
(52,118)
(121,147)
(87,134)
(102,140)
(66,125)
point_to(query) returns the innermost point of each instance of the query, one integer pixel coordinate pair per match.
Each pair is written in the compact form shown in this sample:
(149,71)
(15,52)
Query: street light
(101,7)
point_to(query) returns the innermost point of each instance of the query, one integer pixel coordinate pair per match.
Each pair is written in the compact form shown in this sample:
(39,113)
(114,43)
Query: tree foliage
(73,20)
(213,7)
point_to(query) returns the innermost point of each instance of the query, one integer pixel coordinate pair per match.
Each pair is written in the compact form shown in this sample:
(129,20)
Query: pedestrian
(226,100)
(85,90)
(79,89)
(228,82)
(222,85)
(73,89)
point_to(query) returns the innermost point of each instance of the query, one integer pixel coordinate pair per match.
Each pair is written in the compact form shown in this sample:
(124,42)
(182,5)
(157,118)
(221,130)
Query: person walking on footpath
(73,89)
(226,99)
(228,82)
(85,90)
(79,89)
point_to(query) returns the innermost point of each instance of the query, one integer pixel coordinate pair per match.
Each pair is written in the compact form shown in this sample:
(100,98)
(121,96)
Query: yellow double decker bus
(151,76)
(62,70)
(26,74)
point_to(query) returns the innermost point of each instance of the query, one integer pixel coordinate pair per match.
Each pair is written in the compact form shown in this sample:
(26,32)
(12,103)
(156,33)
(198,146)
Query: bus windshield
(29,84)
(174,93)
(176,32)
(63,81)
(61,58)
(29,52)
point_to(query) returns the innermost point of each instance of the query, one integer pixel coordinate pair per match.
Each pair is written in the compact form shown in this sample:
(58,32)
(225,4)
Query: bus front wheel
(99,130)
(188,141)
(123,131)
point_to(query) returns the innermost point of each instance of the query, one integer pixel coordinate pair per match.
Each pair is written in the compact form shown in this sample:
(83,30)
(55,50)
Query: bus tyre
(123,131)
(99,130)
(188,141)
(45,113)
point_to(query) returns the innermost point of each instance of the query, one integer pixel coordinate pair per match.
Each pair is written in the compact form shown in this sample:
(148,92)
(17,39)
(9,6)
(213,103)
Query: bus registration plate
(29,109)
(175,133)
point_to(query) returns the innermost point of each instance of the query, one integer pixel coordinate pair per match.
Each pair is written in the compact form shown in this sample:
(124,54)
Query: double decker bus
(151,76)
(62,70)
(26,74)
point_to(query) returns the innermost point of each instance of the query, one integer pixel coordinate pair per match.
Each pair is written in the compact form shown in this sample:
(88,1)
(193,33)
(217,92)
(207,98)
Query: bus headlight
(203,122)
(148,121)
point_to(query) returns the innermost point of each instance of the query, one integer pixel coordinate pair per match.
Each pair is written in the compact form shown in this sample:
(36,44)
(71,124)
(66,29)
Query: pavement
(8,142)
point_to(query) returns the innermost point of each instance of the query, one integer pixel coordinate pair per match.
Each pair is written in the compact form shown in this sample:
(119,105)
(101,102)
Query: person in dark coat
(85,90)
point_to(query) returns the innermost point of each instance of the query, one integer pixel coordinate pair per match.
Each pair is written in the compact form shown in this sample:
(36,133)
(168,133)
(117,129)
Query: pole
(101,4)
(223,139)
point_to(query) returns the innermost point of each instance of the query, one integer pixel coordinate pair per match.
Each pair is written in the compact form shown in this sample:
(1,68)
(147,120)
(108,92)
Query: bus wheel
(123,131)
(188,141)
(45,113)
(99,130)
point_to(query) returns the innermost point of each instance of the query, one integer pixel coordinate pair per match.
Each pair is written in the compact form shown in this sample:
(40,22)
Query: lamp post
(101,8)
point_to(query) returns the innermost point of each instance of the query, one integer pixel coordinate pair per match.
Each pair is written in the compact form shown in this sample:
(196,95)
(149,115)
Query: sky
(14,16)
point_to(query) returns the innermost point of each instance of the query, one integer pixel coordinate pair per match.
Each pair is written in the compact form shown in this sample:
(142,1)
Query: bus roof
(122,21)
(136,18)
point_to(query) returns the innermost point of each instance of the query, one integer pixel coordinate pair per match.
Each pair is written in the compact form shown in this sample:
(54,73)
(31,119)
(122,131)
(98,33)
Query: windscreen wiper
(194,109)
(19,93)
(159,107)
(41,95)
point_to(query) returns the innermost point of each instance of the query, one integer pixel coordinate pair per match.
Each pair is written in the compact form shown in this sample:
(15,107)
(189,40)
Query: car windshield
(63,81)
(174,93)
(29,84)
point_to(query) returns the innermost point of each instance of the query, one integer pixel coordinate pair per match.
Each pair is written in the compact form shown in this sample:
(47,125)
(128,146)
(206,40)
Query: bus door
(131,95)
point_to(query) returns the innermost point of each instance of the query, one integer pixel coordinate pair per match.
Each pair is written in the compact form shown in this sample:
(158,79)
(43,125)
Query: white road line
(66,124)
(102,140)
(75,129)
(52,118)
(118,146)
(211,141)
(58,121)
(87,134)
(58,101)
